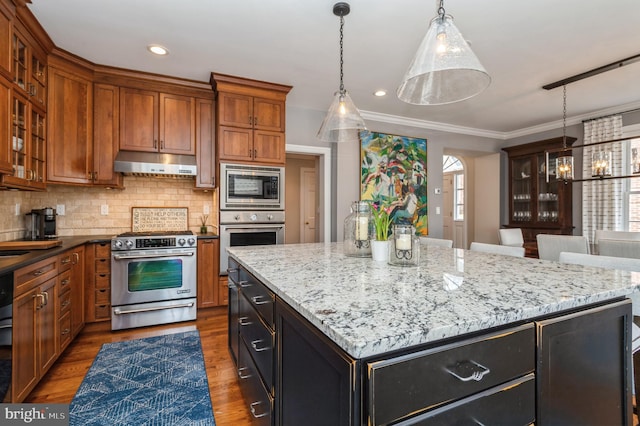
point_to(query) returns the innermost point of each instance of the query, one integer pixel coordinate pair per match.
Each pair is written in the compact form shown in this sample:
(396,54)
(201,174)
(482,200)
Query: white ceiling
(522,44)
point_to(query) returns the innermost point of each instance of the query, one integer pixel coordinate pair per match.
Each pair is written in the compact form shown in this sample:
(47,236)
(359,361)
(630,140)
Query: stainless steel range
(153,278)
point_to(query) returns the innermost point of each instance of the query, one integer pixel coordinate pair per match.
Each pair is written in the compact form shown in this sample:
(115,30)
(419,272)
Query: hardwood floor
(62,381)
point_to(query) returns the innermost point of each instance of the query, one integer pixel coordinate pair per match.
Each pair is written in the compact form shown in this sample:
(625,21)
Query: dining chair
(614,235)
(550,246)
(619,248)
(625,264)
(440,242)
(497,249)
(511,237)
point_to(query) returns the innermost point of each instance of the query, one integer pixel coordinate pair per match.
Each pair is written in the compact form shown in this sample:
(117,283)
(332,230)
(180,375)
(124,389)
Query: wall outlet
(104,209)
(206,209)
(437,209)
(60,210)
(17,209)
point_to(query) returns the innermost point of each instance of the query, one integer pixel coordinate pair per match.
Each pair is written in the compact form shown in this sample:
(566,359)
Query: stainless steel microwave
(247,187)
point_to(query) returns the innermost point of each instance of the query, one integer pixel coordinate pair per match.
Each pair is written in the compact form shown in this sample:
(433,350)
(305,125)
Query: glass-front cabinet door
(548,200)
(37,150)
(521,187)
(38,83)
(19,62)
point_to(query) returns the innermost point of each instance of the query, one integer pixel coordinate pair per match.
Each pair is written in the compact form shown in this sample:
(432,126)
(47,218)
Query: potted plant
(381,210)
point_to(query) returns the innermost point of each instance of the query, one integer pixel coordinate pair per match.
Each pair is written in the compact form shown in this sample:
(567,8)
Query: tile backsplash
(83,206)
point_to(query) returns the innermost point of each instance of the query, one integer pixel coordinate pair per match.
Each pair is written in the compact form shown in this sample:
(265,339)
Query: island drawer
(259,400)
(420,381)
(260,340)
(260,296)
(480,409)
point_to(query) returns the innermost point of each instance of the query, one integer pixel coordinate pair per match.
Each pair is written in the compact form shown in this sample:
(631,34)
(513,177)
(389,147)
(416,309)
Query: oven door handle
(118,311)
(149,256)
(250,226)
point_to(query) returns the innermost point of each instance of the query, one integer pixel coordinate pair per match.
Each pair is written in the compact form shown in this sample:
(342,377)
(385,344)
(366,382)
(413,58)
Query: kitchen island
(354,341)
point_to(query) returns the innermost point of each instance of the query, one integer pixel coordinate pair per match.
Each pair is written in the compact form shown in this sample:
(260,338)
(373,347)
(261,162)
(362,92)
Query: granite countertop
(10,264)
(369,308)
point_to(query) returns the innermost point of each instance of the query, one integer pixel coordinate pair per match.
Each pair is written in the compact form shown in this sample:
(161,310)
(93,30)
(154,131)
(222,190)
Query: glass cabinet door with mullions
(548,193)
(521,185)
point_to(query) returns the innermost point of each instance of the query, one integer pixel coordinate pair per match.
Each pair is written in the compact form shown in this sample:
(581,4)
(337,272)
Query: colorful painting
(393,170)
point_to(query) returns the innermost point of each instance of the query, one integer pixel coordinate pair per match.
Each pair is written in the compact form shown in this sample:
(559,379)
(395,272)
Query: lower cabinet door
(584,367)
(259,401)
(513,404)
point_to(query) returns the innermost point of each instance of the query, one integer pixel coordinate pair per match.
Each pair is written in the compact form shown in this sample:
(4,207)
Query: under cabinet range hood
(155,164)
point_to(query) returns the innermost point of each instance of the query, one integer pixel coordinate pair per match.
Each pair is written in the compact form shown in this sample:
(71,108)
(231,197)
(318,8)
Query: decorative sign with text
(151,219)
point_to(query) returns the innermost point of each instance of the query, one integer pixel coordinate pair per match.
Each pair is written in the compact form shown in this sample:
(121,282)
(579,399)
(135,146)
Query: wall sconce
(601,163)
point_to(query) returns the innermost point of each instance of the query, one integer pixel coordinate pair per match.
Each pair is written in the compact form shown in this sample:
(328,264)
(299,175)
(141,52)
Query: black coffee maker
(42,224)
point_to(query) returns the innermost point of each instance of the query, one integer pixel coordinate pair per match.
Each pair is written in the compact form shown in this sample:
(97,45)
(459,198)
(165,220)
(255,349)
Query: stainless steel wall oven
(249,228)
(153,279)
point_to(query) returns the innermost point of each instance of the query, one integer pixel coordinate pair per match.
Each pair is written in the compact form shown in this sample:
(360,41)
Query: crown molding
(552,125)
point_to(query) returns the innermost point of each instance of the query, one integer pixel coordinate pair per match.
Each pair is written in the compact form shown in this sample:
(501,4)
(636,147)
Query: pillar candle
(362,228)
(403,242)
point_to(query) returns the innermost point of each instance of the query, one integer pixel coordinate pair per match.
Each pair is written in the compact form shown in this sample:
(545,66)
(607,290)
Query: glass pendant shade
(444,69)
(564,167)
(343,122)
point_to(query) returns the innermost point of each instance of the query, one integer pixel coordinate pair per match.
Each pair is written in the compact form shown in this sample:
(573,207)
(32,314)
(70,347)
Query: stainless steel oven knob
(253,217)
(237,217)
(191,241)
(269,217)
(129,243)
(117,244)
(181,241)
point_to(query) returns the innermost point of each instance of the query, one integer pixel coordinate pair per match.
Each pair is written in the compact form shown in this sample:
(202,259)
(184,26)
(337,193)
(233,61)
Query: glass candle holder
(358,230)
(404,246)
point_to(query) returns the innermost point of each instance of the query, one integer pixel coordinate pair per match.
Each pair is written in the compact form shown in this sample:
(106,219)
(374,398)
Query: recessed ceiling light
(380,93)
(157,49)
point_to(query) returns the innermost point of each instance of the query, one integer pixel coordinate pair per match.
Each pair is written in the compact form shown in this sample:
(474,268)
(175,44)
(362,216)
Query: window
(633,191)
(458,198)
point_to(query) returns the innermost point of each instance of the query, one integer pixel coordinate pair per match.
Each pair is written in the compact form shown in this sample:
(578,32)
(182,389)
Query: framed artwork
(394,171)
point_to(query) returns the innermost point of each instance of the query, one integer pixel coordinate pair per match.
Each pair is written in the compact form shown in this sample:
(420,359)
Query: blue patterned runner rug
(153,381)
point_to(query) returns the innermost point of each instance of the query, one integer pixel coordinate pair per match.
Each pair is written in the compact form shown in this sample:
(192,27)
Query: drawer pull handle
(244,284)
(258,300)
(244,321)
(65,331)
(245,376)
(468,370)
(253,406)
(255,346)
(38,272)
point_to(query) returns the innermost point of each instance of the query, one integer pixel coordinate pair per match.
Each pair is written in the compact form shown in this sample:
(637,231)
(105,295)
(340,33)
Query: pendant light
(564,162)
(444,69)
(343,122)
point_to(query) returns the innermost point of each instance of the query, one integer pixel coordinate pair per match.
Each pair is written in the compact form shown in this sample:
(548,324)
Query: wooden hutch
(539,203)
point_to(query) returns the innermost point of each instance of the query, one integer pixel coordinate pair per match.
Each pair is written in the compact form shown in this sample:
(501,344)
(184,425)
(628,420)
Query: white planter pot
(380,250)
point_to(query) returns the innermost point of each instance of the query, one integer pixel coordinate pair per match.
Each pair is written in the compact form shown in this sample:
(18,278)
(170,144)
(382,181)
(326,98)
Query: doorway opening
(308,194)
(454,205)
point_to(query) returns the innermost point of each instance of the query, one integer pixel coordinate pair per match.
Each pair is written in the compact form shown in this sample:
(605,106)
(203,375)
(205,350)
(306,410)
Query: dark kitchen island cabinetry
(398,345)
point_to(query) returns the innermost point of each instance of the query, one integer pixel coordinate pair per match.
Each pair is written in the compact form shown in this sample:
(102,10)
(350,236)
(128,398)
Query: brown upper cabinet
(7,12)
(23,59)
(250,119)
(205,144)
(157,122)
